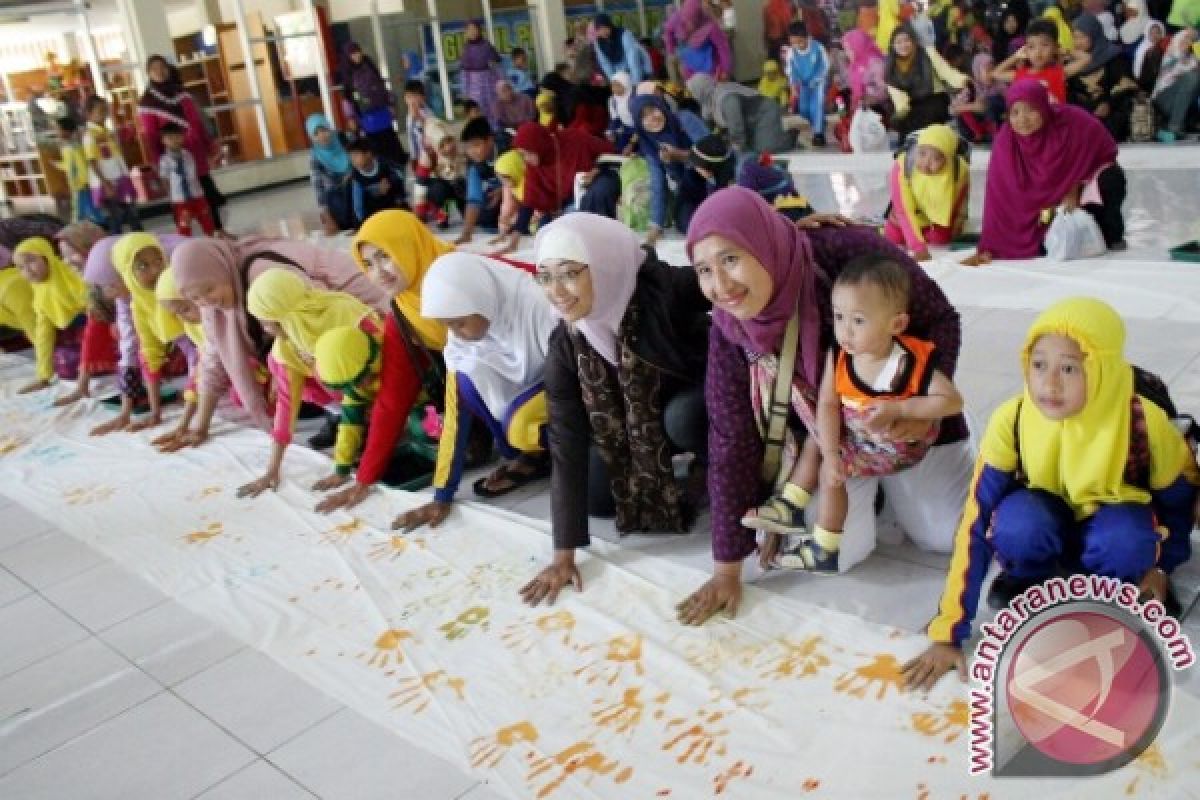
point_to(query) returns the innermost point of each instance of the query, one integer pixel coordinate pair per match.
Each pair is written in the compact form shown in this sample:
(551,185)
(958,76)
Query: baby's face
(865,319)
(1056,379)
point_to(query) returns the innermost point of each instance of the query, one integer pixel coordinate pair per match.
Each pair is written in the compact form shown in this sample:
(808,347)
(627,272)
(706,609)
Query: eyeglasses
(568,279)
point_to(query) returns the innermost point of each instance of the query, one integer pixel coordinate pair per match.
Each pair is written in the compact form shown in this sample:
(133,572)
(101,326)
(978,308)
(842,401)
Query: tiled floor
(110,690)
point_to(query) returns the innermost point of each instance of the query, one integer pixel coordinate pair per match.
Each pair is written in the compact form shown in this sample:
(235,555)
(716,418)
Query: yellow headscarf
(168,290)
(166,328)
(1066,39)
(16,302)
(512,166)
(1082,459)
(63,295)
(342,354)
(935,195)
(545,107)
(773,84)
(412,248)
(889,20)
(302,311)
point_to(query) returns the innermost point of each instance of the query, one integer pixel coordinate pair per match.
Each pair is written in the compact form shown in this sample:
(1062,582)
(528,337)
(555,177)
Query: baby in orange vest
(876,381)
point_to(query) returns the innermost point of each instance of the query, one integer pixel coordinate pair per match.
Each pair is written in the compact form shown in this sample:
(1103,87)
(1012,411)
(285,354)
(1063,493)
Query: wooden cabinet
(246,118)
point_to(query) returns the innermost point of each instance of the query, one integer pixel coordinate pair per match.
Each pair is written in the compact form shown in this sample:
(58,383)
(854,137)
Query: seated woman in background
(930,186)
(500,325)
(552,159)
(1098,77)
(331,171)
(1046,156)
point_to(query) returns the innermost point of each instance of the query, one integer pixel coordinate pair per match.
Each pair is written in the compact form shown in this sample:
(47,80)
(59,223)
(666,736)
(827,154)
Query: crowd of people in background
(800,363)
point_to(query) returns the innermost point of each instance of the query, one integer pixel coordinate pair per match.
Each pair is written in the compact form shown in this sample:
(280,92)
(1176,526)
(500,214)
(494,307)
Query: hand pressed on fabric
(924,671)
(551,580)
(347,498)
(722,591)
(330,482)
(432,514)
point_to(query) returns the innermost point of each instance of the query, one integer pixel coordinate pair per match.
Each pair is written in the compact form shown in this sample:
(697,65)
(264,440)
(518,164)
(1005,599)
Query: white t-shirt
(100,146)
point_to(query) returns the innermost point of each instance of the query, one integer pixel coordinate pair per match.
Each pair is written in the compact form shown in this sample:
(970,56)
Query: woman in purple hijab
(1046,156)
(758,269)
(480,67)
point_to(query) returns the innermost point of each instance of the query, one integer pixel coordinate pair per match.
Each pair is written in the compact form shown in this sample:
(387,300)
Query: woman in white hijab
(1136,20)
(499,325)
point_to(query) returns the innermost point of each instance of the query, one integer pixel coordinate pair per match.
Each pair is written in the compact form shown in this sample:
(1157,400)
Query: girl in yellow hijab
(173,308)
(16,302)
(930,185)
(774,85)
(510,169)
(395,250)
(1066,38)
(297,313)
(1078,472)
(59,301)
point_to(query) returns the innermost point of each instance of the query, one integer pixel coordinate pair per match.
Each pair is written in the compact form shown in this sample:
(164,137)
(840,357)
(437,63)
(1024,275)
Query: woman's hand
(978,260)
(431,514)
(347,498)
(1071,201)
(114,425)
(36,386)
(1154,583)
(255,488)
(722,591)
(551,580)
(922,254)
(175,442)
(330,482)
(145,423)
(924,671)
(824,221)
(70,398)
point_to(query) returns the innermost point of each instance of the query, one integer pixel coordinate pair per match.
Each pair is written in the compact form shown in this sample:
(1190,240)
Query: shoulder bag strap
(777,413)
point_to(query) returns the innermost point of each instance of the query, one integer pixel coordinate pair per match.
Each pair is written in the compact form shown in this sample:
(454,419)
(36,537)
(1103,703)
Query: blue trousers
(1034,532)
(810,104)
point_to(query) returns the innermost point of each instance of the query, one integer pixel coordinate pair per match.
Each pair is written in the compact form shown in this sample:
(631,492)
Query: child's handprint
(418,692)
(486,751)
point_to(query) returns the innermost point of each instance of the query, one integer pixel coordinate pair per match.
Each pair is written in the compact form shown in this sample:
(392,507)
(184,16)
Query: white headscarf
(613,254)
(1133,28)
(618,107)
(1139,56)
(510,358)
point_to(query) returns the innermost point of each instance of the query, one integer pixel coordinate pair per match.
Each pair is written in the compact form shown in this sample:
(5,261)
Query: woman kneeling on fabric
(500,326)
(624,377)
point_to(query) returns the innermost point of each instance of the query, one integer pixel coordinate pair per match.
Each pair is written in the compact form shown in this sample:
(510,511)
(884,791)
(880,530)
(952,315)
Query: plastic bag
(867,134)
(1073,235)
(634,206)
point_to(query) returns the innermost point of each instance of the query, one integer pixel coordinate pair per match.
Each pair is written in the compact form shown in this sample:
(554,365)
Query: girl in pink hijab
(216,276)
(1044,157)
(865,69)
(693,36)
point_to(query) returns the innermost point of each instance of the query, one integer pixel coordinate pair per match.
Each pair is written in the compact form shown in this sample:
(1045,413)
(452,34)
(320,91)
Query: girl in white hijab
(1134,26)
(499,325)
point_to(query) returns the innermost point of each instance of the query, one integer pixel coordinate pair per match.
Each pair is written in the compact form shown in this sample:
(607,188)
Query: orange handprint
(339,534)
(525,635)
(625,714)
(418,692)
(205,534)
(883,670)
(577,757)
(394,547)
(205,493)
(11,442)
(486,751)
(461,625)
(621,651)
(798,659)
(738,769)
(388,648)
(86,495)
(699,739)
(951,722)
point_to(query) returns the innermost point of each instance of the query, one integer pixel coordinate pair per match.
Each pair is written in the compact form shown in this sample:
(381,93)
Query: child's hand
(924,671)
(148,421)
(330,482)
(255,488)
(922,254)
(71,397)
(33,387)
(833,474)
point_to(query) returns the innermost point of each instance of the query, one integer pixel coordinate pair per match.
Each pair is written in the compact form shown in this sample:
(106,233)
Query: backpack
(1142,124)
(633,208)
(1146,386)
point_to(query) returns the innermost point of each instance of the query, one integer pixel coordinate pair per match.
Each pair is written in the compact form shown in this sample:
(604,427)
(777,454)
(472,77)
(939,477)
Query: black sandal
(515,476)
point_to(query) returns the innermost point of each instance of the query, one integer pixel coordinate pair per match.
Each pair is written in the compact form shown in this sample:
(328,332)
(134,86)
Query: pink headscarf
(698,24)
(98,270)
(865,55)
(1028,174)
(744,218)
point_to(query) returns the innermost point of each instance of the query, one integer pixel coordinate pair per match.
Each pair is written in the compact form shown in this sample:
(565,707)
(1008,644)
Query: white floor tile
(30,630)
(259,781)
(104,596)
(11,587)
(60,697)
(171,643)
(162,750)
(48,559)
(17,524)
(347,757)
(257,700)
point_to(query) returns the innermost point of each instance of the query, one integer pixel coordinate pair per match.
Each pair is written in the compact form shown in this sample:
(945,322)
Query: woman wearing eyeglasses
(625,384)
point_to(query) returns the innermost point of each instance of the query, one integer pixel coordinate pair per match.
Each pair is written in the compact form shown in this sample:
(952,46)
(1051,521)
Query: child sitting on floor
(874,376)
(930,185)
(1080,472)
(375,185)
(1038,60)
(622,128)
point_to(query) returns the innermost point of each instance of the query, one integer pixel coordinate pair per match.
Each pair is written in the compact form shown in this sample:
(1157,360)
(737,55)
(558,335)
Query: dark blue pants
(1034,532)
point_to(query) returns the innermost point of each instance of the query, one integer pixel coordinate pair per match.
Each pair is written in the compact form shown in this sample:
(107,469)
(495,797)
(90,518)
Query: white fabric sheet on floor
(602,696)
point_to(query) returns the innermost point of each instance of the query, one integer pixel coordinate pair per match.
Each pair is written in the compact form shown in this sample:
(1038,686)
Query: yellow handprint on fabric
(389,649)
(418,692)
(625,714)
(464,623)
(525,635)
(738,769)
(339,534)
(487,751)
(394,547)
(11,442)
(579,757)
(951,722)
(884,671)
(702,738)
(87,495)
(205,493)
(798,660)
(622,651)
(205,534)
